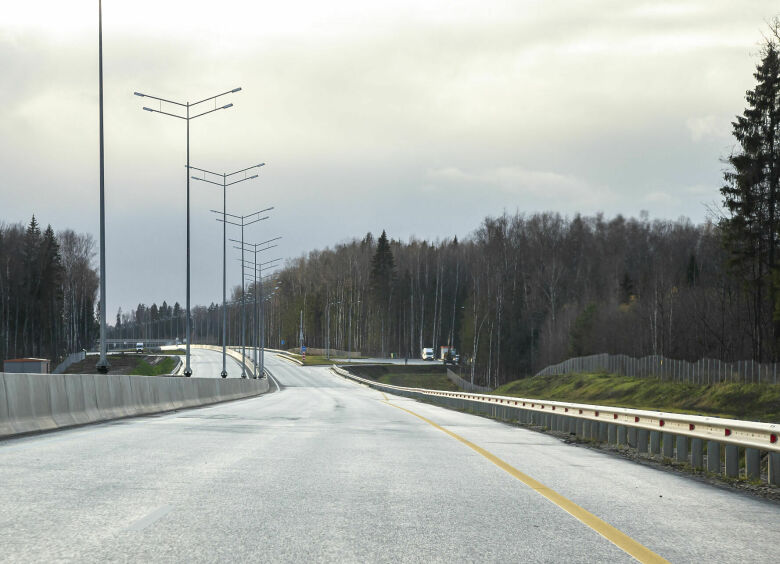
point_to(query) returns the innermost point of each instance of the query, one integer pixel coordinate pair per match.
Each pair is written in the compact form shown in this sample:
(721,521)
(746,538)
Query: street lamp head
(236,90)
(139,94)
(148,109)
(261,164)
(226,106)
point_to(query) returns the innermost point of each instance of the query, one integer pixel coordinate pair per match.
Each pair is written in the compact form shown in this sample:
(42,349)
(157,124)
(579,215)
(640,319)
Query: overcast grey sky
(418,117)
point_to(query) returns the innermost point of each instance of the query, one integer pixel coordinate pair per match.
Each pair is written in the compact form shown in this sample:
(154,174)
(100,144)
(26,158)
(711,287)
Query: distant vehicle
(427,354)
(449,354)
(139,347)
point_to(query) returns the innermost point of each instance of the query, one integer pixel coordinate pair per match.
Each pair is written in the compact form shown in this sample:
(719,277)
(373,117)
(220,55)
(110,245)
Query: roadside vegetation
(316,360)
(128,363)
(759,402)
(144,368)
(414,376)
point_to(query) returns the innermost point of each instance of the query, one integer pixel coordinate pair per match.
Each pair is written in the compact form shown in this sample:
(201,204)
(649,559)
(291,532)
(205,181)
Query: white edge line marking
(154,516)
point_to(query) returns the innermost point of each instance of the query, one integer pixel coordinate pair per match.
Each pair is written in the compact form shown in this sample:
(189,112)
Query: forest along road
(329,470)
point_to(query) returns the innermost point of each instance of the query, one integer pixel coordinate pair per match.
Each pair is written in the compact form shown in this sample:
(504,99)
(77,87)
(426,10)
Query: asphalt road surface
(206,363)
(328,470)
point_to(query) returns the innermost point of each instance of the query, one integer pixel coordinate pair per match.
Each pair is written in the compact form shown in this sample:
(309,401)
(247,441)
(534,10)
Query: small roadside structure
(27,365)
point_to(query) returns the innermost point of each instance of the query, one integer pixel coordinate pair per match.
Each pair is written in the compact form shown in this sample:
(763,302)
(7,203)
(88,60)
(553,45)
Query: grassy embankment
(432,377)
(315,360)
(165,366)
(733,400)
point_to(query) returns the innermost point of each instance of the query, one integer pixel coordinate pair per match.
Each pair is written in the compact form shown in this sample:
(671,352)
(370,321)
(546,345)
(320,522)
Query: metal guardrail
(642,429)
(286,355)
(465,384)
(69,360)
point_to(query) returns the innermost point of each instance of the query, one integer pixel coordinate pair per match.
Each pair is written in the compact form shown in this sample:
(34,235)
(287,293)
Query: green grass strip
(758,402)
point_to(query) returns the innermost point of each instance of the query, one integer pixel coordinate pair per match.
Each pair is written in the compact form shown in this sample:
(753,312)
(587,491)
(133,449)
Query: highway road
(325,469)
(206,363)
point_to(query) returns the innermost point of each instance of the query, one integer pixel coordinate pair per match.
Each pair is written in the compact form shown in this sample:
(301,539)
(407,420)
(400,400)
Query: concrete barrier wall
(31,403)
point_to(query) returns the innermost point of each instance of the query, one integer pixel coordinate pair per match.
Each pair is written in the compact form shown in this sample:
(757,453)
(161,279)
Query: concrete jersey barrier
(31,403)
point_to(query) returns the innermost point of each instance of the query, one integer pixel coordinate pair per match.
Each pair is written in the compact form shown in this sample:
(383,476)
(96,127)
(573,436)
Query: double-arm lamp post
(187,117)
(242,222)
(258,280)
(224,184)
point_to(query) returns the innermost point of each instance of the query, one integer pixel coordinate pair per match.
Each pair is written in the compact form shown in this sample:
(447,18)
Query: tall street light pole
(244,223)
(102,363)
(260,326)
(187,117)
(258,279)
(224,184)
(261,344)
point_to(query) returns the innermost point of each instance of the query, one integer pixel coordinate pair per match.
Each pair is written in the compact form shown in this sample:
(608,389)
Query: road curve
(206,363)
(328,470)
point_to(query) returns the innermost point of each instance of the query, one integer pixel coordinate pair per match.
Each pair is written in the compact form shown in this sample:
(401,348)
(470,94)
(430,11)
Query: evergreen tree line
(48,289)
(523,292)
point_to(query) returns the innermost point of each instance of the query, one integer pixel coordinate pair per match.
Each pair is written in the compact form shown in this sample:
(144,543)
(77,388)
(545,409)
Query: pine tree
(750,195)
(382,270)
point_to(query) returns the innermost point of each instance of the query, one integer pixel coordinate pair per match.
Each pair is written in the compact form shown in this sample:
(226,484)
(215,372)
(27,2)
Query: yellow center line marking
(616,537)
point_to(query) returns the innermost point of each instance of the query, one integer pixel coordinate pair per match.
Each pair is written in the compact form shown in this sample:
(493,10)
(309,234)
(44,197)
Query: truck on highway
(427,354)
(139,347)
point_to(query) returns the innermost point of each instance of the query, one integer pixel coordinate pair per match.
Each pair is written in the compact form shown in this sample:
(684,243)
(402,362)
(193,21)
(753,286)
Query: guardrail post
(668,445)
(752,463)
(713,457)
(773,472)
(641,440)
(732,461)
(682,448)
(594,430)
(603,432)
(697,457)
(655,443)
(622,435)
(632,437)
(612,433)
(586,429)
(579,426)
